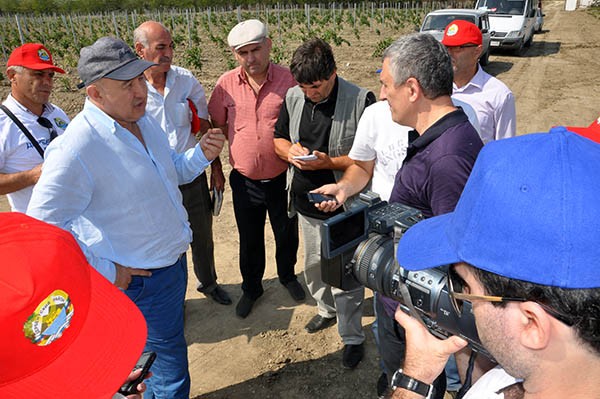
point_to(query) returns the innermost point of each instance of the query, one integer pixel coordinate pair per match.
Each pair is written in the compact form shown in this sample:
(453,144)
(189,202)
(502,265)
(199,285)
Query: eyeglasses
(455,286)
(45,122)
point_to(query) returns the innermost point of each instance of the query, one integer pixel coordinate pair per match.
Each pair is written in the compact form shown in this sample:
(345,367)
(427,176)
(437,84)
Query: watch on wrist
(401,380)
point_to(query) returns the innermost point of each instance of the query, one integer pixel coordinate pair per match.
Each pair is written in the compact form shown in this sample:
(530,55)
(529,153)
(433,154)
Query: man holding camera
(417,83)
(521,246)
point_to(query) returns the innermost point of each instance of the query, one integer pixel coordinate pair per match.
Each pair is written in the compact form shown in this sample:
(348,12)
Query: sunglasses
(456,286)
(45,122)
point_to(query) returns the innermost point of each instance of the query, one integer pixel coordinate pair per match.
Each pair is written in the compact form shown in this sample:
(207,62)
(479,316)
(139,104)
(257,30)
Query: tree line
(91,6)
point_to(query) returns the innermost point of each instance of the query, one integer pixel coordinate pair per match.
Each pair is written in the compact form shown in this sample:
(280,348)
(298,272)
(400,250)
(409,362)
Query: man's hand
(331,189)
(11,182)
(426,355)
(217,178)
(123,277)
(323,160)
(141,387)
(212,143)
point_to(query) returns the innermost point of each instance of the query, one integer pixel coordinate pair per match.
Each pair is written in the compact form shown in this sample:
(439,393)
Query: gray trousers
(196,200)
(331,301)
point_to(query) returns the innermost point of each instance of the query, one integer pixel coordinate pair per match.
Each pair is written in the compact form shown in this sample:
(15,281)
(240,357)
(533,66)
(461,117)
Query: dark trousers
(196,200)
(252,199)
(392,347)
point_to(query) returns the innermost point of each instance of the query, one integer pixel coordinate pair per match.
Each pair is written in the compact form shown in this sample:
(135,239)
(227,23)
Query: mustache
(164,59)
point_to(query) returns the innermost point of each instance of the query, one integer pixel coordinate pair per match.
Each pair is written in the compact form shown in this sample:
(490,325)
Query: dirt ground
(269,355)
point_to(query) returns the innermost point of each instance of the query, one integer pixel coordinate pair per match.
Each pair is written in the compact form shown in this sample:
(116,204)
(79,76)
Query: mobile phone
(144,363)
(309,157)
(315,198)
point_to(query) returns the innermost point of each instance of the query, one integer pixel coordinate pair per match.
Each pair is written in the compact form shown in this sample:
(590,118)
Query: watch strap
(401,380)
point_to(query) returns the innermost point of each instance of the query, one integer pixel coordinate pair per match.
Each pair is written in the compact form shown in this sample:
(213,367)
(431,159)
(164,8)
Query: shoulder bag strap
(23,129)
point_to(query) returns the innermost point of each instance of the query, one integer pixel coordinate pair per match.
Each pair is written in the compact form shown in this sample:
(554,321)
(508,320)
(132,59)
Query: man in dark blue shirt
(416,81)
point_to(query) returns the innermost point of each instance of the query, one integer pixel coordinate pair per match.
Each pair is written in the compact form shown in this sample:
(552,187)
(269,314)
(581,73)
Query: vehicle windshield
(510,7)
(439,22)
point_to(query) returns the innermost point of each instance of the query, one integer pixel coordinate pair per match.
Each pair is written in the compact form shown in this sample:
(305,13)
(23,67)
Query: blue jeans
(161,298)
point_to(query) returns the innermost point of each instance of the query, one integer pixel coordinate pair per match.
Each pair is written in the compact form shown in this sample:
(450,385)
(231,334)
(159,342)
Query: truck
(512,23)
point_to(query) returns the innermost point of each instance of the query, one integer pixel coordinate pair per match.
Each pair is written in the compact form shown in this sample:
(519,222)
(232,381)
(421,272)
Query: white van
(512,23)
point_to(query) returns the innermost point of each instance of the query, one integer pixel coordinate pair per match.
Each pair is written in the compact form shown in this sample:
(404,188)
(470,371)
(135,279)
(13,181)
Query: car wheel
(529,41)
(519,51)
(485,58)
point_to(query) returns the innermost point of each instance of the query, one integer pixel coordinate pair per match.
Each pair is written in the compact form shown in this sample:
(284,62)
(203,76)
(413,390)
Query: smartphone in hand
(309,157)
(144,363)
(316,198)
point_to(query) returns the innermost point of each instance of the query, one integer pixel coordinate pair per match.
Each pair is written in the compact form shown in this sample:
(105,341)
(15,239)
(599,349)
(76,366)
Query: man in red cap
(66,331)
(28,122)
(493,102)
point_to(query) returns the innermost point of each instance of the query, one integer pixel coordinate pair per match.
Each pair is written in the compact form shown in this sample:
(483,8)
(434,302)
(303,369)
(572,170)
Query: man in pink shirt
(246,103)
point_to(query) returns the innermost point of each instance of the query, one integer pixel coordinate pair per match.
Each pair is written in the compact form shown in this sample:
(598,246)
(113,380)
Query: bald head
(153,42)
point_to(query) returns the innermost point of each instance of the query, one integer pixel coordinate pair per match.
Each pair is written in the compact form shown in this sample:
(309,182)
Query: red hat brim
(101,354)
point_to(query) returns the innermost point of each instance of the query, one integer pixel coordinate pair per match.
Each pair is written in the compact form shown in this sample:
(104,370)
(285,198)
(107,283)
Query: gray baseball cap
(109,58)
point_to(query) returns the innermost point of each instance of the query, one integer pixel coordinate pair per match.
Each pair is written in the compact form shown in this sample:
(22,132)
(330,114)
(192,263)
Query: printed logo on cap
(43,54)
(452,30)
(50,319)
(60,123)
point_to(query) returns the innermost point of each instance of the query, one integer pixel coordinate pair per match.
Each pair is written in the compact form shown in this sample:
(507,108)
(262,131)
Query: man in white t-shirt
(30,70)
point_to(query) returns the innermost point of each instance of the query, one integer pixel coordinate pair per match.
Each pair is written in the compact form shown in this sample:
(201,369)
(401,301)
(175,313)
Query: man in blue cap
(522,247)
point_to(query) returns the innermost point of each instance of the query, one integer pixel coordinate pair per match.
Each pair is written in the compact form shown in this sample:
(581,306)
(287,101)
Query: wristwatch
(401,380)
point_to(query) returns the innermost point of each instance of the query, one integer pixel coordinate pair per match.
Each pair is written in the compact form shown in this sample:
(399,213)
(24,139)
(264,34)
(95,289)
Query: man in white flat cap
(246,103)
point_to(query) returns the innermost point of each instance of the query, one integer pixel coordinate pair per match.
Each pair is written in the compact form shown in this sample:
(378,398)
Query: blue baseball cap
(529,211)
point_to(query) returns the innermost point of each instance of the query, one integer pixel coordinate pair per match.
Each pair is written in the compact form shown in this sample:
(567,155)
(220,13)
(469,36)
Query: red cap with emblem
(66,331)
(459,33)
(32,56)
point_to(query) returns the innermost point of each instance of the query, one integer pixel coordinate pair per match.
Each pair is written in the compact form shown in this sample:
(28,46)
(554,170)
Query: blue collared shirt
(120,200)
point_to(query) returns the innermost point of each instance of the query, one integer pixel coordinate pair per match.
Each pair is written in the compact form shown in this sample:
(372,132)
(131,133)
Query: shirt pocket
(181,114)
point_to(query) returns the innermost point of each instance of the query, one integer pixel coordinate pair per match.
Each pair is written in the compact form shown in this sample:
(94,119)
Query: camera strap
(468,377)
(408,300)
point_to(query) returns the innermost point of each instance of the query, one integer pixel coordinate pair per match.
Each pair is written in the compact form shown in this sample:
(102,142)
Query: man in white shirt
(172,90)
(112,180)
(30,71)
(491,99)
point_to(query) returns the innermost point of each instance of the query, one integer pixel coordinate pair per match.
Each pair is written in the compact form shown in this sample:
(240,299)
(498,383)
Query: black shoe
(296,291)
(319,323)
(244,306)
(382,386)
(219,295)
(352,355)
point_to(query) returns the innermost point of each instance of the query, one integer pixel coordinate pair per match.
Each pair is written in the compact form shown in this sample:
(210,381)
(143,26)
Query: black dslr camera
(358,248)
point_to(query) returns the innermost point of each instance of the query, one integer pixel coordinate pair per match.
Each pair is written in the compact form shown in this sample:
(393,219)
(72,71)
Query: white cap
(247,32)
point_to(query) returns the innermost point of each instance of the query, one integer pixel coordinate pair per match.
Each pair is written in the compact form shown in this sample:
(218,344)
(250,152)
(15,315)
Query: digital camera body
(358,249)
